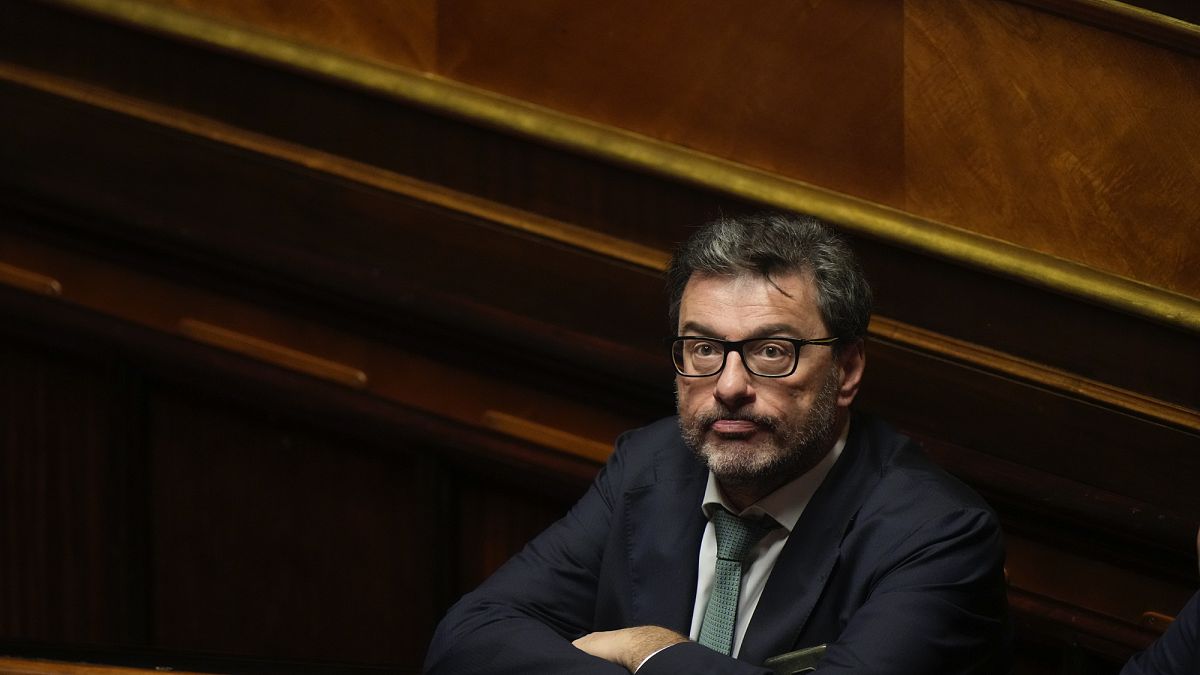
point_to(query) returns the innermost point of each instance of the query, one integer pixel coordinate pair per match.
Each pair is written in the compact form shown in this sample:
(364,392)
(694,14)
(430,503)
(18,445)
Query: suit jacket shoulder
(895,564)
(902,564)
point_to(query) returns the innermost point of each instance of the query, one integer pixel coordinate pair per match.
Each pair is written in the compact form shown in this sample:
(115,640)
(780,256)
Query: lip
(739,427)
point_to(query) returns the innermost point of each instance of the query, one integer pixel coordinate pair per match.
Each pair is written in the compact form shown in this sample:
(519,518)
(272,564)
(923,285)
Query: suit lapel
(665,526)
(808,558)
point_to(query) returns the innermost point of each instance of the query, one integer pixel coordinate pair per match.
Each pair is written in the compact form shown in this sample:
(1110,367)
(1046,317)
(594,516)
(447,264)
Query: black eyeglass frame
(737,345)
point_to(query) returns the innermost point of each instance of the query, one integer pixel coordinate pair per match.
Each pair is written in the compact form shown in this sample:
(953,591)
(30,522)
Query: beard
(792,445)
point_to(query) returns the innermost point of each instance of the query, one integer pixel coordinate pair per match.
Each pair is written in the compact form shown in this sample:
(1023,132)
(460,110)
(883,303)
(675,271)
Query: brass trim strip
(25,280)
(1052,378)
(262,350)
(616,145)
(1126,18)
(548,228)
(645,257)
(550,437)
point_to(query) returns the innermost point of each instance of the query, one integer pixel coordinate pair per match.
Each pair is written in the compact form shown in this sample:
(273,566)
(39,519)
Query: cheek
(798,395)
(688,393)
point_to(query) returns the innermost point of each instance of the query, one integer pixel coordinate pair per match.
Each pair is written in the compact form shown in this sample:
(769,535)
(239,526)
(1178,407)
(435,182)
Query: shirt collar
(787,503)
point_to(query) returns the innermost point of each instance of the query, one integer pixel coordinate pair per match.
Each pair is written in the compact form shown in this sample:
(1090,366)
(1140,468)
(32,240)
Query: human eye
(772,350)
(704,349)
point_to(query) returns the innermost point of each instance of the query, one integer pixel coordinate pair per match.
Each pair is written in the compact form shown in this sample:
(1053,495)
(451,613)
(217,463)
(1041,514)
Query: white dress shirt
(784,505)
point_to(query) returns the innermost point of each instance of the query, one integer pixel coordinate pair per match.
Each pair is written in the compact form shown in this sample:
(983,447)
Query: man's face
(747,428)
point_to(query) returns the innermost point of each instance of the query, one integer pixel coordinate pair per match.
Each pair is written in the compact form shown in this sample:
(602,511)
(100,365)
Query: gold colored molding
(15,665)
(550,437)
(1038,374)
(357,172)
(644,153)
(262,350)
(644,257)
(25,280)
(1123,17)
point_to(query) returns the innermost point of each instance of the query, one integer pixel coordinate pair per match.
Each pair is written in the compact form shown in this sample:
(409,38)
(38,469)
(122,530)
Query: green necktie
(735,538)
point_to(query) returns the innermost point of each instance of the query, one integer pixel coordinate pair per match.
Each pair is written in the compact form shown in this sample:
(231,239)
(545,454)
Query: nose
(734,385)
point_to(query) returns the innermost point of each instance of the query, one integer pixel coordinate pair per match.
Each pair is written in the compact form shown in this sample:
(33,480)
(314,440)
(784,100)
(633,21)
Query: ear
(852,361)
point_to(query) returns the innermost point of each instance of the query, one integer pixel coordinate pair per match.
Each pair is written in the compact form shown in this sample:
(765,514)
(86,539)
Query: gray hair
(773,244)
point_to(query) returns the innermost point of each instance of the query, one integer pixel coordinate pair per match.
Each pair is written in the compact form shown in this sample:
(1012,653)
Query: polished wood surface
(1021,121)
(240,347)
(18,666)
(1039,130)
(224,511)
(721,81)
(398,33)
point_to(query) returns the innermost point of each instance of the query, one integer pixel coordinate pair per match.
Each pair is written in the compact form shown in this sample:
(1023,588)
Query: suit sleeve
(696,659)
(524,617)
(937,605)
(1177,652)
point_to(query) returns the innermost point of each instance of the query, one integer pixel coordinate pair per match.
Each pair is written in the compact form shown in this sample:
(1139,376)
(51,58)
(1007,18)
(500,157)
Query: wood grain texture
(16,666)
(808,89)
(929,292)
(494,523)
(455,312)
(1057,136)
(397,33)
(278,528)
(1073,579)
(70,566)
(996,117)
(1045,431)
(249,511)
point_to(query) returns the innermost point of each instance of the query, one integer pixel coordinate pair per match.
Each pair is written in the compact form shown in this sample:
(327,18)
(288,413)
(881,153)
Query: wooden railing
(240,344)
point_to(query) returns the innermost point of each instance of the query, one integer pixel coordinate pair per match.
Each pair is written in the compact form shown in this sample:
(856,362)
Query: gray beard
(790,451)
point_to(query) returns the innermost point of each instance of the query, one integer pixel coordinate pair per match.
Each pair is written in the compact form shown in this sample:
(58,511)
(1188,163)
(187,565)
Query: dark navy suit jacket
(894,564)
(1177,652)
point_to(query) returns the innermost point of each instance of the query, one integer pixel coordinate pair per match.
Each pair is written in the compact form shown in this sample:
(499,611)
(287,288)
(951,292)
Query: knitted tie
(735,537)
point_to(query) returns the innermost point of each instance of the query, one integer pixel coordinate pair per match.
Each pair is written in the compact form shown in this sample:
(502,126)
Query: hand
(628,647)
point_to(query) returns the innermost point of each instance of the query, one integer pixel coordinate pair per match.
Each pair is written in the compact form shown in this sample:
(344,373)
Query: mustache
(706,419)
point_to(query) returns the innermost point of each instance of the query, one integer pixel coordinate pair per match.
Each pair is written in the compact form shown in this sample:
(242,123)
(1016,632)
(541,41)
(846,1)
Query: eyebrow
(769,330)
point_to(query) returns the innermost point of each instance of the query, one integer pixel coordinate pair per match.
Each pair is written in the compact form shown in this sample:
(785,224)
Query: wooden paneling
(1022,121)
(72,566)
(808,89)
(268,227)
(710,75)
(408,360)
(1044,430)
(494,523)
(268,514)
(15,666)
(1073,141)
(239,96)
(250,510)
(300,306)
(398,33)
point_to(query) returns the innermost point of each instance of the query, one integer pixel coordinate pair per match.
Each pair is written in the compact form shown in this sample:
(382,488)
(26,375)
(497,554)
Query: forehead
(736,306)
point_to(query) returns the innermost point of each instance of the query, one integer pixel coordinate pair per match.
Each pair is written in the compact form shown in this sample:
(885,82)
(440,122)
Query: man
(766,518)
(1177,652)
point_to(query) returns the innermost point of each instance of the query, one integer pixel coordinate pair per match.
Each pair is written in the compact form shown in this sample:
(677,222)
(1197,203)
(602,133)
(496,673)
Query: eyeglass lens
(770,357)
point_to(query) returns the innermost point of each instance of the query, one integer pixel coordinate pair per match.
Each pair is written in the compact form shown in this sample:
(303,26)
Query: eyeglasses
(765,357)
